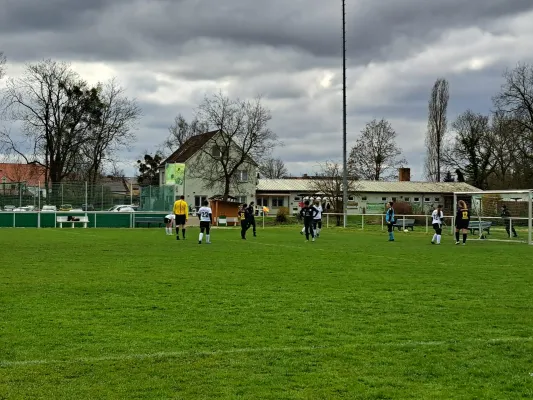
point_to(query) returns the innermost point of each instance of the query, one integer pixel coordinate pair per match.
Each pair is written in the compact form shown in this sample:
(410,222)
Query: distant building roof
(189,148)
(31,174)
(309,185)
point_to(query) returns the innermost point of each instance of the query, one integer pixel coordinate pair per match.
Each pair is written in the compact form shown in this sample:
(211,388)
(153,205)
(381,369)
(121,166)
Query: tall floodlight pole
(344,162)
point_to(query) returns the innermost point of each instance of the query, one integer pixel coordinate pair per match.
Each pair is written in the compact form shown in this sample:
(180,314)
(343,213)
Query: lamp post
(345,169)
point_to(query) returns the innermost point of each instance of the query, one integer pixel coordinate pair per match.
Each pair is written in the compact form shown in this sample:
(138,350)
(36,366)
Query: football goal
(504,215)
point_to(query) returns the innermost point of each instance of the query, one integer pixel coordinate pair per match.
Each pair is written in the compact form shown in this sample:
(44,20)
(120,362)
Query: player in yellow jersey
(181,211)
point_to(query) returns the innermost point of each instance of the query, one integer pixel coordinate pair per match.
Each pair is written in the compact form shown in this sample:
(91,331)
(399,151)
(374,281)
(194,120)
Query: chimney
(404,174)
(305,176)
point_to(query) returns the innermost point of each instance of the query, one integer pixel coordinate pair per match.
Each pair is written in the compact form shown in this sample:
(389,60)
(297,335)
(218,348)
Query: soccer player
(437,216)
(251,217)
(462,219)
(390,219)
(169,221)
(506,216)
(308,213)
(206,217)
(243,217)
(317,220)
(181,211)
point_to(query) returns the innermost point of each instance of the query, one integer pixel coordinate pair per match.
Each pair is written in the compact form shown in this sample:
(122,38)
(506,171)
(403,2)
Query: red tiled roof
(189,148)
(32,174)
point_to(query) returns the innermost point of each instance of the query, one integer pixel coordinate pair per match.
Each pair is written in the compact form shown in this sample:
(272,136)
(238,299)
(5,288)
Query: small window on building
(350,198)
(394,199)
(363,198)
(241,199)
(417,199)
(407,199)
(437,198)
(215,152)
(383,199)
(296,199)
(242,176)
(262,201)
(427,199)
(277,202)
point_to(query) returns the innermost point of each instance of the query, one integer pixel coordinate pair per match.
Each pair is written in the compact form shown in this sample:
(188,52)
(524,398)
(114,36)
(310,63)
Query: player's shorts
(437,226)
(205,224)
(180,219)
(460,224)
(318,222)
(167,220)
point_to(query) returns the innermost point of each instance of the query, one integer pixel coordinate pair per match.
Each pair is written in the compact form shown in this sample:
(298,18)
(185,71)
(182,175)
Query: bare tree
(505,150)
(181,131)
(376,155)
(470,150)
(273,168)
(437,125)
(2,64)
(329,184)
(243,141)
(113,131)
(57,110)
(515,100)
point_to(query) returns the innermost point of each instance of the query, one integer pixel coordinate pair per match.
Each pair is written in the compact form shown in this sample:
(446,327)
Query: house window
(417,199)
(198,201)
(394,199)
(427,200)
(363,198)
(215,152)
(277,201)
(296,199)
(383,199)
(241,199)
(350,198)
(242,176)
(437,198)
(262,201)
(407,199)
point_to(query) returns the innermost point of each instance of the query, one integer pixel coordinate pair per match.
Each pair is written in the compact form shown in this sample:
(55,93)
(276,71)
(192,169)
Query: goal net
(499,215)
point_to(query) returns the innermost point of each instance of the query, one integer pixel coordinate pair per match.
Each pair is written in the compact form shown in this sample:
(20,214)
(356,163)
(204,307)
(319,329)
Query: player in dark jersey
(462,220)
(244,219)
(251,217)
(308,213)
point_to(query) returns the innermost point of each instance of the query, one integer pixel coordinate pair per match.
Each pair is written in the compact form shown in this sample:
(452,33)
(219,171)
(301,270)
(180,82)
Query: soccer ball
(406,230)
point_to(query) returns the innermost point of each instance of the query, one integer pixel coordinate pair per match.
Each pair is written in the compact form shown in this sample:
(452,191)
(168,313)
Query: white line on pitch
(177,354)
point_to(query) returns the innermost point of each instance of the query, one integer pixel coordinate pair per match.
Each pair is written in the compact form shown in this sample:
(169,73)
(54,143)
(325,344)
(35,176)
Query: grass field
(131,314)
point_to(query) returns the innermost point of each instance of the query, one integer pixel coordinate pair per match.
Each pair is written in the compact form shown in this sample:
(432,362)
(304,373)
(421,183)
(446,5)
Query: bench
(149,220)
(79,220)
(474,226)
(226,221)
(409,224)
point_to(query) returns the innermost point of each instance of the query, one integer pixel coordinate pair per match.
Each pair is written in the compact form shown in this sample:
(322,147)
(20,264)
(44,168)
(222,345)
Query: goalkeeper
(506,216)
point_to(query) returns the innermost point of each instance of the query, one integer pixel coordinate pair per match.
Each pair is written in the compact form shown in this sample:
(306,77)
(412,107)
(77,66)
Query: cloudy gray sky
(169,54)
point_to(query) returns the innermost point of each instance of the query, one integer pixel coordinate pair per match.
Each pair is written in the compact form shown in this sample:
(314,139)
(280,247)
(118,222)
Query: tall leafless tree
(329,184)
(376,155)
(180,131)
(470,151)
(2,64)
(243,141)
(515,100)
(502,139)
(436,130)
(273,168)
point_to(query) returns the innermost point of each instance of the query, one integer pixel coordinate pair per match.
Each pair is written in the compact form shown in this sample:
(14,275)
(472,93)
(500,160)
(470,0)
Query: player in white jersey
(317,221)
(206,217)
(437,217)
(169,221)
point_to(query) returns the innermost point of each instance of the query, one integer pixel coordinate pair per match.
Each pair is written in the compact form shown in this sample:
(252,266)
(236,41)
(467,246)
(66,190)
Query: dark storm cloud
(160,29)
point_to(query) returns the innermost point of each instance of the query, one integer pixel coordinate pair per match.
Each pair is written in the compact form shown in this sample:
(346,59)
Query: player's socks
(434,238)
(438,238)
(183,233)
(208,238)
(457,237)
(200,237)
(464,238)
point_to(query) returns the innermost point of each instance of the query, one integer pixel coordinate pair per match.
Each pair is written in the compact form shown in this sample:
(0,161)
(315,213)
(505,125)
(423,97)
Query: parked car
(49,209)
(65,207)
(122,208)
(9,208)
(87,207)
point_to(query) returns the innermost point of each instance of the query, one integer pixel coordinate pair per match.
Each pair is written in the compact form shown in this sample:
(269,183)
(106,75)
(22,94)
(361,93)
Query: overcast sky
(169,54)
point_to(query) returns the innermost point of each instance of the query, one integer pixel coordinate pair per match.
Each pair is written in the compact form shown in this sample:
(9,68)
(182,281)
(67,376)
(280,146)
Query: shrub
(281,216)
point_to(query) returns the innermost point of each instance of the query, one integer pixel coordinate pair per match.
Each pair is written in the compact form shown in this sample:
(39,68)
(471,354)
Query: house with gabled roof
(196,188)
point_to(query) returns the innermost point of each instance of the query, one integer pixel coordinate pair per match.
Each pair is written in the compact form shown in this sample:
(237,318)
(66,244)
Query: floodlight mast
(344,161)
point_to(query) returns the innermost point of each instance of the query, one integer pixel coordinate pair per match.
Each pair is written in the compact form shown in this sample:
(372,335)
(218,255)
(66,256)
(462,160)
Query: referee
(181,211)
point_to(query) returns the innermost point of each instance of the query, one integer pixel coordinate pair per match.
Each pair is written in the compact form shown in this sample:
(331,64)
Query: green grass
(134,314)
